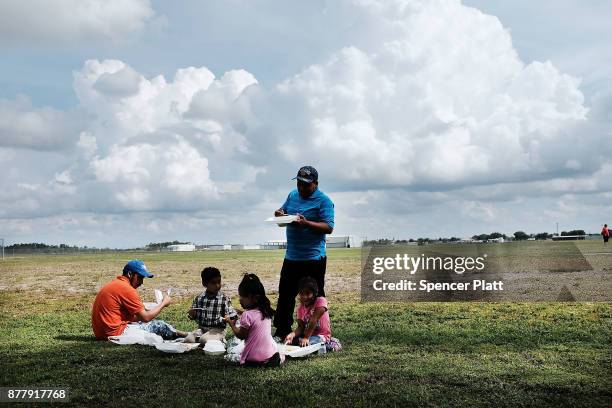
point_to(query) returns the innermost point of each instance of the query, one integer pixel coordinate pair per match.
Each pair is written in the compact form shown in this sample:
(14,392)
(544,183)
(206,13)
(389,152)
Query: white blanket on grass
(133,334)
(236,346)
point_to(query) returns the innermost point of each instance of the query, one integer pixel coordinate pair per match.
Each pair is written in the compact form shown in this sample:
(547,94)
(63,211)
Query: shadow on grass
(394,354)
(76,337)
(96,373)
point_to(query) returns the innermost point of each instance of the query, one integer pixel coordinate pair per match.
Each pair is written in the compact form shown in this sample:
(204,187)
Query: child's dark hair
(209,273)
(252,286)
(308,284)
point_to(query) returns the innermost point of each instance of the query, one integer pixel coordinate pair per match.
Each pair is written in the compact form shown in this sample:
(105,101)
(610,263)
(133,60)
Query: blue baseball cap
(137,266)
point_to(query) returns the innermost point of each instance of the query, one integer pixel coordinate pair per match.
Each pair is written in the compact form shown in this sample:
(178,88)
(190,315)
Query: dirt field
(83,274)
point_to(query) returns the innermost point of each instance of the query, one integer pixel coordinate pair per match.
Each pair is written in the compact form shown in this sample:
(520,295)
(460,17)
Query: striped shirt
(211,309)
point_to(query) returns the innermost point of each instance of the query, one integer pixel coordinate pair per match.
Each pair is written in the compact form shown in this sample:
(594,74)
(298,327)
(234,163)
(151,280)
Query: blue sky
(146,121)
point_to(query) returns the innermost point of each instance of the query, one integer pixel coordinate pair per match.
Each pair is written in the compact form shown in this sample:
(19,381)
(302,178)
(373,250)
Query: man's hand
(227,319)
(301,220)
(192,313)
(304,342)
(279,212)
(319,226)
(166,300)
(289,338)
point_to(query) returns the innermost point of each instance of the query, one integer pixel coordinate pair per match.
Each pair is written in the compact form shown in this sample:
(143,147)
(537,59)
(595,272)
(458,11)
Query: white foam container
(173,347)
(214,347)
(283,220)
(297,351)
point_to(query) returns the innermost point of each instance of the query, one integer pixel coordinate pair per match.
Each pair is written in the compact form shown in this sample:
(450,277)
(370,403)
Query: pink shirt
(323,327)
(259,345)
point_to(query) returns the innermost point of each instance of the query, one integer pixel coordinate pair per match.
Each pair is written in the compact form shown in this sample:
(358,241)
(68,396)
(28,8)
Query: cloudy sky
(132,121)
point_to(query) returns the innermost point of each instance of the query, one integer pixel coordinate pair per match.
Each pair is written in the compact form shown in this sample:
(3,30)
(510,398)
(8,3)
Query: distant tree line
(420,241)
(36,245)
(42,248)
(521,235)
(493,235)
(517,236)
(156,246)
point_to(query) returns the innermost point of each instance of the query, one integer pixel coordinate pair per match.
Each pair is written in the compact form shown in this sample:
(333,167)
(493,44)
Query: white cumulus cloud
(429,113)
(72,21)
(145,144)
(46,128)
(442,100)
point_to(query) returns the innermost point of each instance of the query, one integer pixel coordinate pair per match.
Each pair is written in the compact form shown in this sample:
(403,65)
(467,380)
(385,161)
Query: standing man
(118,306)
(605,233)
(305,255)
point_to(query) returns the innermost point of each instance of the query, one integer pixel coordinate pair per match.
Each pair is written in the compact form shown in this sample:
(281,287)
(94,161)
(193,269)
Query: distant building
(347,241)
(245,246)
(275,244)
(219,247)
(181,248)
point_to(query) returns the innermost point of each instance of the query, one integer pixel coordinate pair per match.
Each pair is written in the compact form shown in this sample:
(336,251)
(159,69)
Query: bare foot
(181,333)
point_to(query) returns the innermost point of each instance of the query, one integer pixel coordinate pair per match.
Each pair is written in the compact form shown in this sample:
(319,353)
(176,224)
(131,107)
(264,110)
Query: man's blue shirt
(303,243)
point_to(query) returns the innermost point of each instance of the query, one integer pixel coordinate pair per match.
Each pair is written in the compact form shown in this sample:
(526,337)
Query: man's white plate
(158,299)
(282,220)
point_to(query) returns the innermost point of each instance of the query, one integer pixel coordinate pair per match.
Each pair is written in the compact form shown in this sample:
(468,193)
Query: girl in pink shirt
(256,325)
(312,315)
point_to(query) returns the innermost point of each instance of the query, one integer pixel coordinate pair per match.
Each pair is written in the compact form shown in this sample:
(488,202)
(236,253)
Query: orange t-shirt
(114,307)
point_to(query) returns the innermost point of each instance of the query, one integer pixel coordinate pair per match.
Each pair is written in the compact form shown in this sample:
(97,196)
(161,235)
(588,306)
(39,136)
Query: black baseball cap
(307,174)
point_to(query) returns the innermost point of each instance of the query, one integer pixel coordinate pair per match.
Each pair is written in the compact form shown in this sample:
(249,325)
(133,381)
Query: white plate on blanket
(214,347)
(297,351)
(172,347)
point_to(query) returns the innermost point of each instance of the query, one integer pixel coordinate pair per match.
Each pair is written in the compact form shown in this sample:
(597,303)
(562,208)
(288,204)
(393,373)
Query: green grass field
(395,354)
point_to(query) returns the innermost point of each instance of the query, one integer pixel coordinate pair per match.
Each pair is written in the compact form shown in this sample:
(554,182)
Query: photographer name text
(427,286)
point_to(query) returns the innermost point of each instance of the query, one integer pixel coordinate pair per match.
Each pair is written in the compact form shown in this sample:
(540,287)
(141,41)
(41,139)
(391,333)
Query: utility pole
(2,248)
(557,229)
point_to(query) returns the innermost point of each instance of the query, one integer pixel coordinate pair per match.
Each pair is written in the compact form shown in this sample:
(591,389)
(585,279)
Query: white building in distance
(219,247)
(347,241)
(181,248)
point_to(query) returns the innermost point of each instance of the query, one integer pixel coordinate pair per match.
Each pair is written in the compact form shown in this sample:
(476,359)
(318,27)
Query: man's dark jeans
(291,273)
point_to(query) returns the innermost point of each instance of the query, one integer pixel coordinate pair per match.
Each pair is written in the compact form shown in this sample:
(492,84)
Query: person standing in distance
(305,254)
